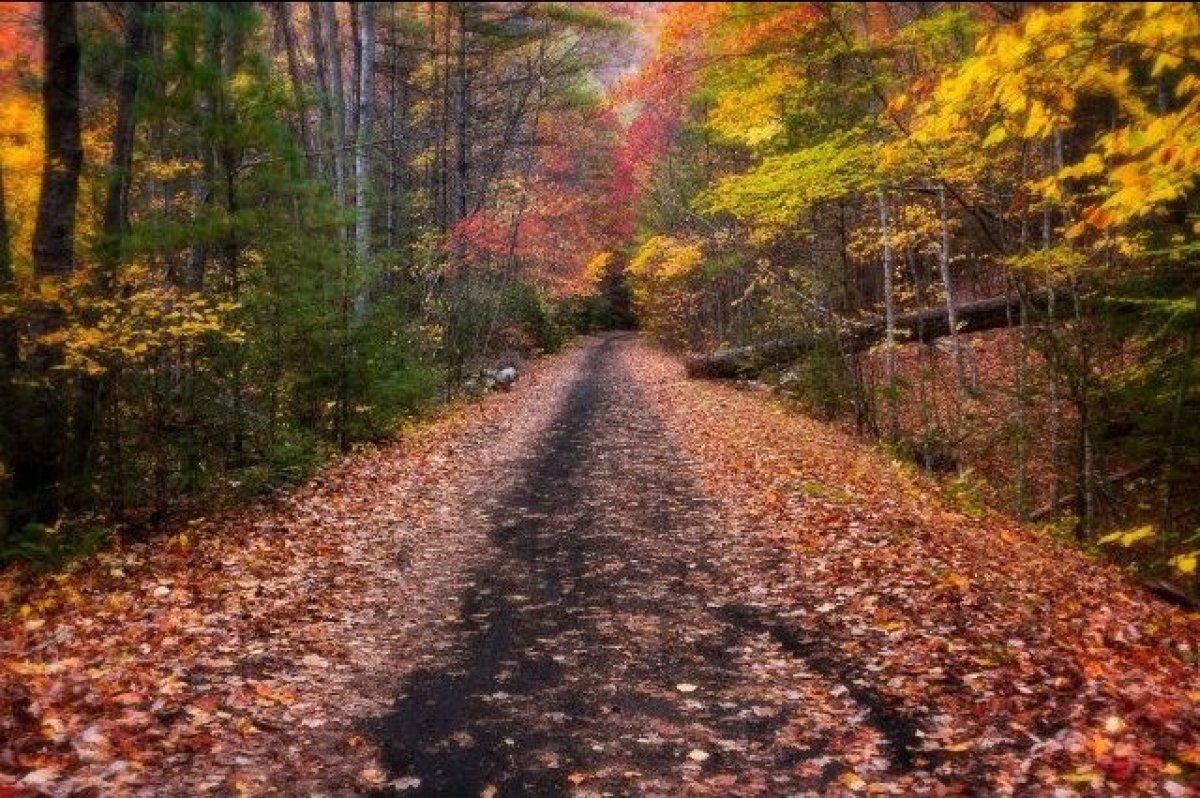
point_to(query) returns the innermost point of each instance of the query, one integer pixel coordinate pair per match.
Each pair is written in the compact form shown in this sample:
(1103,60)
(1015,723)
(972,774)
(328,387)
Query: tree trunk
(54,231)
(325,102)
(354,99)
(393,162)
(333,66)
(951,312)
(443,155)
(283,22)
(115,219)
(230,159)
(36,456)
(362,175)
(113,224)
(8,361)
(8,330)
(924,326)
(889,310)
(366,97)
(463,165)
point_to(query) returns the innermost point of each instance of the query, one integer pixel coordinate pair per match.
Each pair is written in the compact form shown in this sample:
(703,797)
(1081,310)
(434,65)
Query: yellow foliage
(596,268)
(1027,79)
(1186,563)
(21,160)
(752,112)
(1129,537)
(663,259)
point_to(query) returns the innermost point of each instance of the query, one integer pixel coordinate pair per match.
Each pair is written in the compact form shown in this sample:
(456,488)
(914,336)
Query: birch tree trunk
(362,150)
(366,97)
(947,285)
(889,310)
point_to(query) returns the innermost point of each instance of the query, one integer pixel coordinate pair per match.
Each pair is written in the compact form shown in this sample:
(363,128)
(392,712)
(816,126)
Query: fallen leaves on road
(896,646)
(1026,667)
(235,656)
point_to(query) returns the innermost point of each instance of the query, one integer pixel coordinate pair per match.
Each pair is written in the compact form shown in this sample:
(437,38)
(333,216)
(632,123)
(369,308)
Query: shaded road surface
(599,649)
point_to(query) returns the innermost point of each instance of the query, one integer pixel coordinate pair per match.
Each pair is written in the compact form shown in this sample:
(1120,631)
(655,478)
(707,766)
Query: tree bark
(8,358)
(37,454)
(947,285)
(325,101)
(283,21)
(366,97)
(463,165)
(54,230)
(889,309)
(113,225)
(115,219)
(362,175)
(333,66)
(8,330)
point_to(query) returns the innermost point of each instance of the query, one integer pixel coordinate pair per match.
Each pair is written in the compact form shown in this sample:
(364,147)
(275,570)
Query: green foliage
(46,548)
(820,382)
(966,493)
(775,195)
(819,490)
(524,305)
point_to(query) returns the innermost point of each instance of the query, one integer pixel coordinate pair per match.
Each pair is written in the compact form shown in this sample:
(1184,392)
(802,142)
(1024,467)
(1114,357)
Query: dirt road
(598,647)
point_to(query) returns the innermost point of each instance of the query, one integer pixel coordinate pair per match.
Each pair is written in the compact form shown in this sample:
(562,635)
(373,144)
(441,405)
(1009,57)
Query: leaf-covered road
(597,647)
(674,603)
(611,580)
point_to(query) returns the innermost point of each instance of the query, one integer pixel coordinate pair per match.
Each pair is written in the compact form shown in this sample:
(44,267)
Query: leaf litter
(889,643)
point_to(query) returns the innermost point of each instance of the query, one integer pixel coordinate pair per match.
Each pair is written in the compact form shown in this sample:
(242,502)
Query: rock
(506,376)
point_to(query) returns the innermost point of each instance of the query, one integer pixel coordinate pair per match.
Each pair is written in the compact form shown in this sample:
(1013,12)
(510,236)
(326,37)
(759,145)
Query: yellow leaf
(852,781)
(995,136)
(1185,563)
(1129,537)
(1080,777)
(956,580)
(1190,755)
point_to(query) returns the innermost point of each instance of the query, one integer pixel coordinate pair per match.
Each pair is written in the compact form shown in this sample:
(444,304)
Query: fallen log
(923,326)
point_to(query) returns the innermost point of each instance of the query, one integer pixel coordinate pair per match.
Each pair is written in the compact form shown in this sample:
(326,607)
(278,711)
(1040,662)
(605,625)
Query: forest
(303,302)
(254,251)
(968,231)
(238,237)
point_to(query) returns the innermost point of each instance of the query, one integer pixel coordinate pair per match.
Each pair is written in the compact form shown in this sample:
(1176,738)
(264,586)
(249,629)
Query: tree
(54,235)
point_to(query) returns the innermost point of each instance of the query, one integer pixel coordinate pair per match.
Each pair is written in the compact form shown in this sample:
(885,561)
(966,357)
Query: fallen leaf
(852,781)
